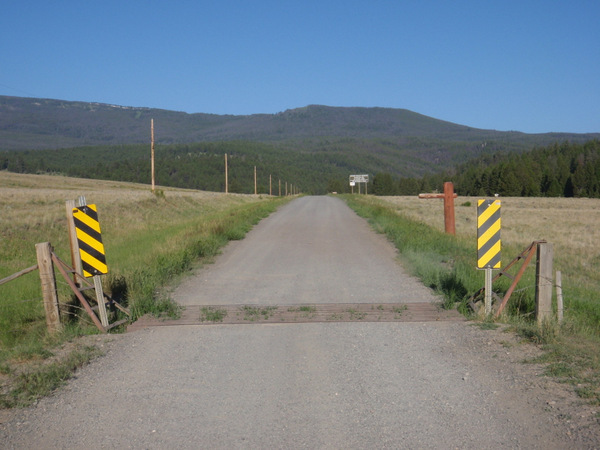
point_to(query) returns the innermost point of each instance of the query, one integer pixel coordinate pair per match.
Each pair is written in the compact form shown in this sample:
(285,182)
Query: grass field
(447,264)
(149,241)
(152,239)
(570,224)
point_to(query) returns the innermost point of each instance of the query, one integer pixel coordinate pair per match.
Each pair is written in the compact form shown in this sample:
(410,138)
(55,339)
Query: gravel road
(314,250)
(310,385)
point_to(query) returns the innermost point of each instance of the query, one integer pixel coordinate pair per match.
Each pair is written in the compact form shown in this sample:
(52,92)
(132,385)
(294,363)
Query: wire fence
(19,315)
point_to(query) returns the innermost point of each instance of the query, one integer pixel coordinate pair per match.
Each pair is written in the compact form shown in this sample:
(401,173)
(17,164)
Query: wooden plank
(100,300)
(14,276)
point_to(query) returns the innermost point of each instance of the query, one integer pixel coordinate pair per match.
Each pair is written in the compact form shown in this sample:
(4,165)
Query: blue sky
(531,66)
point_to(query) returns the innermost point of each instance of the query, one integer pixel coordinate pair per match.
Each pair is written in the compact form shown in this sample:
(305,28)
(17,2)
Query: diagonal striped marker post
(488,244)
(488,234)
(89,239)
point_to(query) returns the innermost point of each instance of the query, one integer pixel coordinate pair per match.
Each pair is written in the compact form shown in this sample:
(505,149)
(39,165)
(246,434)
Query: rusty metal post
(48,280)
(449,220)
(448,196)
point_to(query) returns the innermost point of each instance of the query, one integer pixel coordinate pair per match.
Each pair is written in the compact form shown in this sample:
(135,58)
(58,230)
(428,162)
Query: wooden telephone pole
(152,152)
(226,176)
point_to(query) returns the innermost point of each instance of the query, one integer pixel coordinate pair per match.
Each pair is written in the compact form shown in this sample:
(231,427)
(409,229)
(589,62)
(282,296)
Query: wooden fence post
(544,282)
(559,297)
(48,280)
(226,176)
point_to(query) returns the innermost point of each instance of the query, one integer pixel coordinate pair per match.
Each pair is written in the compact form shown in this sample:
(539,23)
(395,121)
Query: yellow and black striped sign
(488,234)
(89,238)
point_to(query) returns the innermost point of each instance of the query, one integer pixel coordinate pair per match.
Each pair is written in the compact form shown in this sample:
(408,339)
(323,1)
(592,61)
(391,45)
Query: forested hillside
(316,166)
(559,170)
(32,124)
(315,148)
(201,165)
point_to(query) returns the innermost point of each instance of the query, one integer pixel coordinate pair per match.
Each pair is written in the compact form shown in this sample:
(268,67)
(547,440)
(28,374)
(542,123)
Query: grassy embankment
(447,264)
(149,241)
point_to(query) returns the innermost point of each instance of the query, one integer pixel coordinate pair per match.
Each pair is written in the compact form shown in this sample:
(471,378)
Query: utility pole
(226,176)
(152,152)
(255,191)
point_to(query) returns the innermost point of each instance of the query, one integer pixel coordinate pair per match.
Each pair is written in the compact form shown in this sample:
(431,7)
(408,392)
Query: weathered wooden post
(559,297)
(75,259)
(48,280)
(226,176)
(544,282)
(152,152)
(448,196)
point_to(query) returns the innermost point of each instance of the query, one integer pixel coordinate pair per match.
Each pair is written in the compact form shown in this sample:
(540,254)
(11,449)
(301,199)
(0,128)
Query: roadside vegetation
(447,264)
(149,239)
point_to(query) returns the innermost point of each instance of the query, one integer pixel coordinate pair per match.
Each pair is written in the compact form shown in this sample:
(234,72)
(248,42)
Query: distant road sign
(359,178)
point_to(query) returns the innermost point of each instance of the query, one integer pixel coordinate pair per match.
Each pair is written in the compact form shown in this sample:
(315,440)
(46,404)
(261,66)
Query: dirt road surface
(306,385)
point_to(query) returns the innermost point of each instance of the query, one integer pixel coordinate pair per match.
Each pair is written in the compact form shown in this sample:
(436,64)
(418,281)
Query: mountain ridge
(37,123)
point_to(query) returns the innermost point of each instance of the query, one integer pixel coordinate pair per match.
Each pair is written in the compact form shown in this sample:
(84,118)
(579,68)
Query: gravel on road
(308,385)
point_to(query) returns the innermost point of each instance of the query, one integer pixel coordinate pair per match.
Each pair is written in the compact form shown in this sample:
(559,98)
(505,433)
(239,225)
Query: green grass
(254,313)
(41,381)
(441,261)
(355,314)
(150,241)
(447,264)
(399,310)
(211,314)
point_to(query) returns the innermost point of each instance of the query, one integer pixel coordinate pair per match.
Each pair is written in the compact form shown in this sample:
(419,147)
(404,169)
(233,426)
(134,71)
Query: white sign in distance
(359,178)
(352,183)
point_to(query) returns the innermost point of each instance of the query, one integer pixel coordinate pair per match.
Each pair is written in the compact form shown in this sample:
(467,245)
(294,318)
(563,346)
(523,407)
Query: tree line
(558,170)
(193,166)
(561,169)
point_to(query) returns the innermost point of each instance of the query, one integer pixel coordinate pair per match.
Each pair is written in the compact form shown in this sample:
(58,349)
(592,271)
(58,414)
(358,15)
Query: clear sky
(525,65)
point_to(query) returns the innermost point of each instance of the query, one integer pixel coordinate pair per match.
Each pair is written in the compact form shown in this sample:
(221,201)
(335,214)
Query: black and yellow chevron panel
(89,238)
(488,234)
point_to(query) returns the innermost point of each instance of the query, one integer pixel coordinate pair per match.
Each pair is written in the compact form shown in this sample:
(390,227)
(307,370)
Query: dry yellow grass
(32,209)
(34,200)
(570,224)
